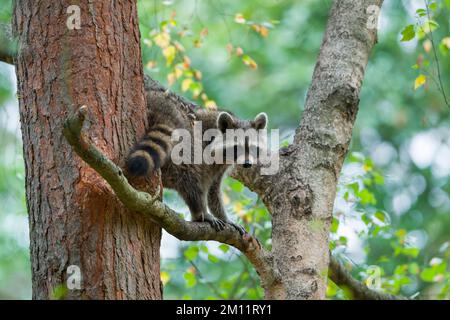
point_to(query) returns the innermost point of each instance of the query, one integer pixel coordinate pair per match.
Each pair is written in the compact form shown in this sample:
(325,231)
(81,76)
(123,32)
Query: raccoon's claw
(217,224)
(238,227)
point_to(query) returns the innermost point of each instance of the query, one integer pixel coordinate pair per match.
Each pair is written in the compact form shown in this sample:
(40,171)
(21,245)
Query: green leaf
(225,248)
(408,33)
(59,292)
(421,12)
(334,225)
(213,258)
(196,88)
(426,28)
(367,197)
(376,231)
(343,240)
(191,281)
(411,252)
(440,268)
(365,218)
(443,49)
(401,269)
(346,195)
(414,268)
(368,164)
(356,157)
(236,186)
(378,178)
(380,216)
(332,245)
(191,253)
(400,233)
(427,275)
(367,182)
(355,187)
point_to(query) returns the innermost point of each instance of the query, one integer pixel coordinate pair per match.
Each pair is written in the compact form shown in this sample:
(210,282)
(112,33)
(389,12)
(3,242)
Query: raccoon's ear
(224,121)
(261,121)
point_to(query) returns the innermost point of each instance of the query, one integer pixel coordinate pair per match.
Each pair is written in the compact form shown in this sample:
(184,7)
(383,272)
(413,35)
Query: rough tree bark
(74,217)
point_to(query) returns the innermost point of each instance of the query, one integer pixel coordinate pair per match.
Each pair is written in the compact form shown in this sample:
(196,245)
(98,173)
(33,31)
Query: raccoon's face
(243,142)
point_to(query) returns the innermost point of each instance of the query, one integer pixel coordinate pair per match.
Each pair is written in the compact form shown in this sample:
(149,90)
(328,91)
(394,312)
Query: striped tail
(151,153)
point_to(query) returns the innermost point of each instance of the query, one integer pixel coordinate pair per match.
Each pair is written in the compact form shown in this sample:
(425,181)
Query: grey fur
(198,184)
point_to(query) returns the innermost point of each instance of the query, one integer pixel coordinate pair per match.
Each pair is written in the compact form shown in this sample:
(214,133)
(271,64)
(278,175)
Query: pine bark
(74,217)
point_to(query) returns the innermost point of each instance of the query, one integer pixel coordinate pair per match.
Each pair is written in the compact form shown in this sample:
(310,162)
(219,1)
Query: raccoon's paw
(217,224)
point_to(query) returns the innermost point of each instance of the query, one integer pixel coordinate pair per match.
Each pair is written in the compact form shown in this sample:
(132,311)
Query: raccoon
(198,184)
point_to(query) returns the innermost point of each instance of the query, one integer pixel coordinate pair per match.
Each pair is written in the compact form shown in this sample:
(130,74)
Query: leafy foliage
(424,30)
(413,270)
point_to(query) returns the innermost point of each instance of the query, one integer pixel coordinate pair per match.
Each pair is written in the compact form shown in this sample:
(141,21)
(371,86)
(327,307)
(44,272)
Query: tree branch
(150,206)
(7,45)
(342,277)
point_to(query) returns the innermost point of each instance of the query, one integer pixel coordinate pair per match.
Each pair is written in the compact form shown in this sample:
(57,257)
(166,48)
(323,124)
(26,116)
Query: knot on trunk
(300,199)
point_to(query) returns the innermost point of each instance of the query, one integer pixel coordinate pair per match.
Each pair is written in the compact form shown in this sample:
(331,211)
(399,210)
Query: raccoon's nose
(247,164)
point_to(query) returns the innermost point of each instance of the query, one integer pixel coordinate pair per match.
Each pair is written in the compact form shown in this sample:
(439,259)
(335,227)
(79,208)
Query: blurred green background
(392,209)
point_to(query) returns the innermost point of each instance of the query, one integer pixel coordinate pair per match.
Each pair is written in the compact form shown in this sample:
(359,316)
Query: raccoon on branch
(198,184)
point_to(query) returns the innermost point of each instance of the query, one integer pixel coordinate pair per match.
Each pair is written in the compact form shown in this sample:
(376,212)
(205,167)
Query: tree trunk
(74,217)
(301,195)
